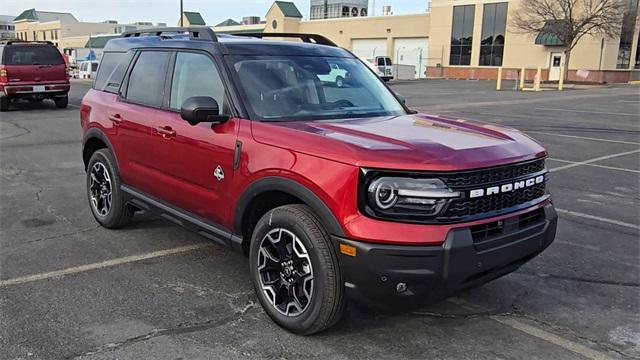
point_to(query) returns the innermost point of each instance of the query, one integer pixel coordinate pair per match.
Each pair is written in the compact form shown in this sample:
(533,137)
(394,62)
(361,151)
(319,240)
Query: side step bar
(182,218)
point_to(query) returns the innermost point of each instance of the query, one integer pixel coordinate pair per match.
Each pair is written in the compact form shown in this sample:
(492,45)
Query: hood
(408,142)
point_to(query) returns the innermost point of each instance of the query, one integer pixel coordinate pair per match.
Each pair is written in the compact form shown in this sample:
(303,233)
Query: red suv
(32,71)
(331,191)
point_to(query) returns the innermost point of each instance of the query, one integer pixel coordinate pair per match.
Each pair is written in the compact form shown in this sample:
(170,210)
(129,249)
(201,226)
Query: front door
(195,162)
(557,59)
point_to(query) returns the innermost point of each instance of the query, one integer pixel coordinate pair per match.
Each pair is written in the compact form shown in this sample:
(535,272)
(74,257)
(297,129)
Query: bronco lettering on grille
(493,190)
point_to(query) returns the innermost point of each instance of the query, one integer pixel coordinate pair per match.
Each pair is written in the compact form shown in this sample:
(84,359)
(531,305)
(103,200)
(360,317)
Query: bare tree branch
(571,20)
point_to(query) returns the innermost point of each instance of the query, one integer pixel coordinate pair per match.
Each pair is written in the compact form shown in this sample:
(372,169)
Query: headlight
(405,198)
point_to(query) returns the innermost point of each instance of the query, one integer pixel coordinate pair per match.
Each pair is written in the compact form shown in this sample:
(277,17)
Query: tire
(339,81)
(4,104)
(61,102)
(118,214)
(321,301)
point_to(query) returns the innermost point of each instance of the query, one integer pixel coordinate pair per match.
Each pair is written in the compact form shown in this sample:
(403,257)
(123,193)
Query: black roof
(228,44)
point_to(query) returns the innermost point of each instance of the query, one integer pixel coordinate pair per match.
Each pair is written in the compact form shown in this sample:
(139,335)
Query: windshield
(312,88)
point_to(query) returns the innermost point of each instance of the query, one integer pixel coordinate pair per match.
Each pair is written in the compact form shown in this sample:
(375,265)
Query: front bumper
(380,276)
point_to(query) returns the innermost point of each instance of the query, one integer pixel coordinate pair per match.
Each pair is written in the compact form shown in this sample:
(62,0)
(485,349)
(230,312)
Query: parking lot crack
(585,280)
(20,127)
(179,329)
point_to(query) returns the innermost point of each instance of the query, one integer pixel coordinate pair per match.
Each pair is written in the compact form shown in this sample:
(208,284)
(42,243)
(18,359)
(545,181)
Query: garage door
(412,51)
(369,48)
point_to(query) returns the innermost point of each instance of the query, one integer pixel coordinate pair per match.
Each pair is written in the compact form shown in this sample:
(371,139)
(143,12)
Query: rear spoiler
(308,38)
(11,42)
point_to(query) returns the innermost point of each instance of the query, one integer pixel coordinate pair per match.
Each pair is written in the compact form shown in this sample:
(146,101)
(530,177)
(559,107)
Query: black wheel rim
(285,272)
(100,189)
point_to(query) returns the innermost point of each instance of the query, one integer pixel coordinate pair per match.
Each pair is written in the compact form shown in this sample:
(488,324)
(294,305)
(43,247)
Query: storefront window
(462,35)
(626,35)
(494,22)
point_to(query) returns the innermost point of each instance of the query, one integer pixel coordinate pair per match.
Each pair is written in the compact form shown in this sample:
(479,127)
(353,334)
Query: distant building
(7,29)
(332,9)
(191,18)
(461,39)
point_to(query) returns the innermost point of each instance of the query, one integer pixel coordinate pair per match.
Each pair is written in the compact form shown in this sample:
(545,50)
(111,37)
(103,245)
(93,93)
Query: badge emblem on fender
(218,173)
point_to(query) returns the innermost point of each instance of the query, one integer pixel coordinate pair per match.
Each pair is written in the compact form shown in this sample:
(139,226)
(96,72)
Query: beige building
(64,30)
(466,39)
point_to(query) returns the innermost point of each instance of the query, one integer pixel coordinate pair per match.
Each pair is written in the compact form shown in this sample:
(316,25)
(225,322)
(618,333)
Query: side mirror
(401,98)
(199,109)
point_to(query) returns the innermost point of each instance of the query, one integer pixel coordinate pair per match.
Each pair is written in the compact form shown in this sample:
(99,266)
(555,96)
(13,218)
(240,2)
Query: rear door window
(32,55)
(146,81)
(111,71)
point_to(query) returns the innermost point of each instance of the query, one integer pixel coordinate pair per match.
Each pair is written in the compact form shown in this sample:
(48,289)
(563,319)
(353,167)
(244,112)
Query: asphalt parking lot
(70,289)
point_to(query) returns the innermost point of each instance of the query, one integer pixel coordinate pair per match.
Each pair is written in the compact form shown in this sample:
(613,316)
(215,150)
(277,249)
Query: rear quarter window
(111,71)
(31,55)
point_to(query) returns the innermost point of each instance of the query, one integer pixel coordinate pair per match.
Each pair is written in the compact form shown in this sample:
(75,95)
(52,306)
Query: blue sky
(213,11)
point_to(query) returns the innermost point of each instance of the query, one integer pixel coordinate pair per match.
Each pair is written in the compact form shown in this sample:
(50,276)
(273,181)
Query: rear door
(34,63)
(134,116)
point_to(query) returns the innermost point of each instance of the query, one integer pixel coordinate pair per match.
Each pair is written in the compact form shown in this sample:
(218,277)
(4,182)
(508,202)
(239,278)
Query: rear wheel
(295,270)
(4,104)
(61,102)
(103,191)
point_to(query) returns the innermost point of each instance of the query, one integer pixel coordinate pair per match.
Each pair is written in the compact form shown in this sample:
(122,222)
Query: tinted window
(111,71)
(462,35)
(494,21)
(146,82)
(195,75)
(32,55)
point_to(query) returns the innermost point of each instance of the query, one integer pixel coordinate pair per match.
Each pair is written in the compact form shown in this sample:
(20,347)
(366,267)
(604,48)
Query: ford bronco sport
(333,192)
(32,71)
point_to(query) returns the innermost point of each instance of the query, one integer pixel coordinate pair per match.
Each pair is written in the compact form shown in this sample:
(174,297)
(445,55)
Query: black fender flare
(96,133)
(291,187)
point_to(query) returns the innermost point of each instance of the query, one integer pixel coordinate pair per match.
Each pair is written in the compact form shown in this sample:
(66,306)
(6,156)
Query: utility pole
(181,15)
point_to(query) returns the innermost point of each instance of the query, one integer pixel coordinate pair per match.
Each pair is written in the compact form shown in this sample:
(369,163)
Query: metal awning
(548,36)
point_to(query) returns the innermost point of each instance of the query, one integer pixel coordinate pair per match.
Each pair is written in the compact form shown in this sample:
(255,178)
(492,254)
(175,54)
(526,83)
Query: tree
(570,20)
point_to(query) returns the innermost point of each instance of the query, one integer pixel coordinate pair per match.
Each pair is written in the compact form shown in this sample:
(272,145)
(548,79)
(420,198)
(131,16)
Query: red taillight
(4,75)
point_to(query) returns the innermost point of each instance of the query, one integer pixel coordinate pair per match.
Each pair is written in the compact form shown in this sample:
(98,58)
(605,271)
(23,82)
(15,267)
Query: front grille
(493,175)
(469,207)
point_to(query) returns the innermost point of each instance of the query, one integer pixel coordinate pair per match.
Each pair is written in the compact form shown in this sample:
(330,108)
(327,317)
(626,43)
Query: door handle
(166,132)
(116,119)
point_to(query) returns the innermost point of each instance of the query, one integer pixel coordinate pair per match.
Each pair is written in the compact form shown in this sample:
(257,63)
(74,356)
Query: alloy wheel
(285,272)
(100,189)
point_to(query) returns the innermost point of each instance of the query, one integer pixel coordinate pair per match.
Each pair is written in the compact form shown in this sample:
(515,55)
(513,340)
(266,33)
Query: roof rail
(308,38)
(9,42)
(195,32)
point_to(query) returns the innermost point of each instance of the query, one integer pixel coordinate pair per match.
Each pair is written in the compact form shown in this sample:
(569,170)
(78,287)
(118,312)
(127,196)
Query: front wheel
(339,81)
(295,270)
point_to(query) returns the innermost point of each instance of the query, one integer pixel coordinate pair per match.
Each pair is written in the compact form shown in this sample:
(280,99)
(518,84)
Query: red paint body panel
(323,156)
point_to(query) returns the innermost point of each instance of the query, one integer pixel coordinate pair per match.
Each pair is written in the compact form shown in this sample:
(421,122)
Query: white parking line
(101,265)
(596,165)
(534,331)
(551,338)
(606,157)
(589,112)
(585,138)
(598,218)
